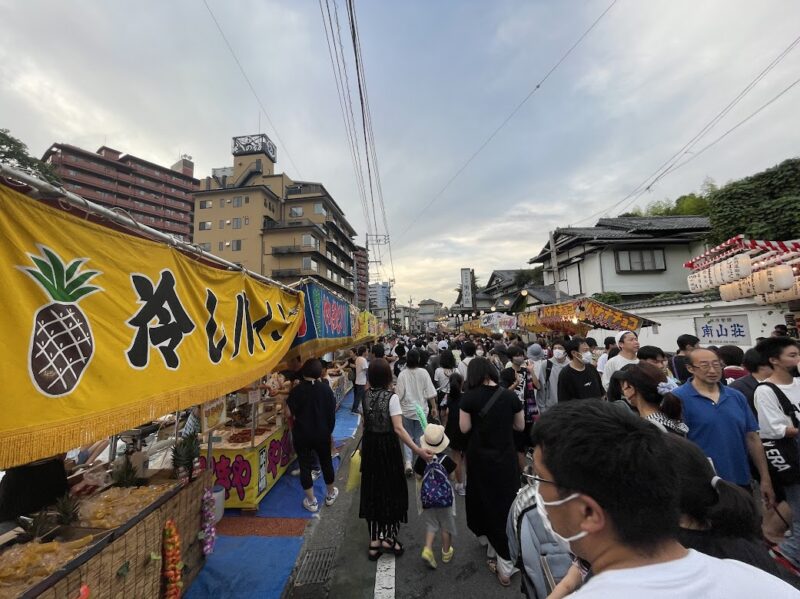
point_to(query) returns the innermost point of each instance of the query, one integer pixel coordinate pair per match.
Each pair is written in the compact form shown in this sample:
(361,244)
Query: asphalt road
(353,576)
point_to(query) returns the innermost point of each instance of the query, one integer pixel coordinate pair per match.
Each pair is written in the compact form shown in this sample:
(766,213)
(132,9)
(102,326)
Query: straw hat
(434,438)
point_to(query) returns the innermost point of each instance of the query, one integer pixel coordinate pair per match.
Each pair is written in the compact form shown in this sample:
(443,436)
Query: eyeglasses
(707,365)
(533,477)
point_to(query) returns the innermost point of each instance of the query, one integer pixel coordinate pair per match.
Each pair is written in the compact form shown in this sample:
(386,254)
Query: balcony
(292,223)
(293,249)
(305,189)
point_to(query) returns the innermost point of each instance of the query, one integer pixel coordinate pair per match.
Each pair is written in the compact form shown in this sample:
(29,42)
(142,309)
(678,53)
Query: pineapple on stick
(67,509)
(62,344)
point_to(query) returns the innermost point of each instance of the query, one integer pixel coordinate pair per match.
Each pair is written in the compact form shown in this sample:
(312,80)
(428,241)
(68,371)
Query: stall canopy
(326,327)
(105,330)
(578,316)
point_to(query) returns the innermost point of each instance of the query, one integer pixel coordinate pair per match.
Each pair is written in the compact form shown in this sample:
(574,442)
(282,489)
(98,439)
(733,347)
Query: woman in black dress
(492,466)
(458,440)
(384,492)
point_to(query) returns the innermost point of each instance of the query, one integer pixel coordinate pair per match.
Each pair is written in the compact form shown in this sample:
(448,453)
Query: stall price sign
(732,329)
(103,330)
(213,413)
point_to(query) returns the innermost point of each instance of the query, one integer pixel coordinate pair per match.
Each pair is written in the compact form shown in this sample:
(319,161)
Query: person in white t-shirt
(608,343)
(628,344)
(468,353)
(360,382)
(415,389)
(783,355)
(619,510)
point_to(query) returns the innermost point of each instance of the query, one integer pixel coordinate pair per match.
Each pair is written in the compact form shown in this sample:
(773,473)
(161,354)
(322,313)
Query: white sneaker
(312,507)
(332,497)
(461,489)
(295,472)
(315,474)
(409,470)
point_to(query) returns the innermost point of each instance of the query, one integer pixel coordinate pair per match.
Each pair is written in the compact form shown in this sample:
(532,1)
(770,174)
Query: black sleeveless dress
(384,492)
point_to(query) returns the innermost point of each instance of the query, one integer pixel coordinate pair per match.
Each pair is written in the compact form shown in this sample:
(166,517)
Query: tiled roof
(656,223)
(599,233)
(689,298)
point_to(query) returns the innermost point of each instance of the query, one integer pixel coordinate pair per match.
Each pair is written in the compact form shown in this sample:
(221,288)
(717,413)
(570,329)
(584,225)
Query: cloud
(156,80)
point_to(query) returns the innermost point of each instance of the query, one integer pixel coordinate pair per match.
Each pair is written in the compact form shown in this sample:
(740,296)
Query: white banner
(466,288)
(731,329)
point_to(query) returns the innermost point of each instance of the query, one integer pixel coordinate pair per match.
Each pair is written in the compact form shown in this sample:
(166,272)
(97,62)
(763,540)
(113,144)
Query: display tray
(106,536)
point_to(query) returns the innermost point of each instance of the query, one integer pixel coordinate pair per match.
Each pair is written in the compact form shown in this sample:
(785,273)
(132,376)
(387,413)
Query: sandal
(374,552)
(504,582)
(491,563)
(396,547)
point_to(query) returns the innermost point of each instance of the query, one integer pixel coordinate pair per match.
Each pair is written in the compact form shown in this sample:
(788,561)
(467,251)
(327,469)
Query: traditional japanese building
(154,195)
(286,230)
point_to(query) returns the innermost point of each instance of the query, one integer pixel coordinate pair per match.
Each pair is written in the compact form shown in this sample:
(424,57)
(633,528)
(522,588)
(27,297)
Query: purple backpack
(436,489)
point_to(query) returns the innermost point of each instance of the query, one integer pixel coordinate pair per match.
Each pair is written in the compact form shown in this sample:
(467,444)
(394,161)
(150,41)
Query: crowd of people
(646,465)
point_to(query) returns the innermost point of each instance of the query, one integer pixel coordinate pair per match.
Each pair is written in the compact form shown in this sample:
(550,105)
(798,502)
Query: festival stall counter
(178,331)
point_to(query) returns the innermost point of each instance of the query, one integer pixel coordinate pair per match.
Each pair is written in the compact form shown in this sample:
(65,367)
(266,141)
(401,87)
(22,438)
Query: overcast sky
(155,79)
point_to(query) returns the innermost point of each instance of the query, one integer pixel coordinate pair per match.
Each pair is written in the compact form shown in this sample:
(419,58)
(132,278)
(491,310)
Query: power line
(667,165)
(284,147)
(508,118)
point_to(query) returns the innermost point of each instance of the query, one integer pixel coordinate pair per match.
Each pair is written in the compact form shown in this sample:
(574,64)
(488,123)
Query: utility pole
(554,263)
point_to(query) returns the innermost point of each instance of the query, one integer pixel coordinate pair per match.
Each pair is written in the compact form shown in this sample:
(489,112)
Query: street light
(506,302)
(524,293)
(494,309)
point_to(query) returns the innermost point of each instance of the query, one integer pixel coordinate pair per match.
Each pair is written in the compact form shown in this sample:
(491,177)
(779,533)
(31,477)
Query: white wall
(678,320)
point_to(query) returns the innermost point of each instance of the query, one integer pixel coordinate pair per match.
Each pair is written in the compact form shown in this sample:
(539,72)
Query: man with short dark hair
(608,343)
(628,343)
(686,343)
(758,371)
(722,424)
(579,379)
(607,488)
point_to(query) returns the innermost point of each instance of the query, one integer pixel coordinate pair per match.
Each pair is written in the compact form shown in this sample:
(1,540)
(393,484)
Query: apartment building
(379,295)
(154,195)
(361,278)
(286,230)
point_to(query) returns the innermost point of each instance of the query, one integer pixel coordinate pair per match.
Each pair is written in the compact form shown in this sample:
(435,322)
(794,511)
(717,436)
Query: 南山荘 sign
(732,329)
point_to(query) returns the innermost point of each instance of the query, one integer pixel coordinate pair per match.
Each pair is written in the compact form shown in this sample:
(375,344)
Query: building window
(221,246)
(205,225)
(237,202)
(206,204)
(640,260)
(236,245)
(309,264)
(206,247)
(221,223)
(236,223)
(222,203)
(319,208)
(310,240)
(296,211)
(246,220)
(246,199)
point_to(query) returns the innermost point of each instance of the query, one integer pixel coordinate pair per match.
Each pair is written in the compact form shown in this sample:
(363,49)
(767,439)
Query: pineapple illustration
(61,344)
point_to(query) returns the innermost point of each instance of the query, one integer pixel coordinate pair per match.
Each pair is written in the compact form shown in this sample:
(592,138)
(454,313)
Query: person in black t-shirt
(579,379)
(677,364)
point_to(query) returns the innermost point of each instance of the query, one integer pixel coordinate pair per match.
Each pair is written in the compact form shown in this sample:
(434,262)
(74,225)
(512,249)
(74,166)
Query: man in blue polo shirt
(721,423)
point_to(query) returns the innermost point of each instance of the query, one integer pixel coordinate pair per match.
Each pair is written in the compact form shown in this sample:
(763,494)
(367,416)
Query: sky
(156,80)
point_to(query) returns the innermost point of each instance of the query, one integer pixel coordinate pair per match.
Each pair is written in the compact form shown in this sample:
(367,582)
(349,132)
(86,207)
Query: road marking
(384,577)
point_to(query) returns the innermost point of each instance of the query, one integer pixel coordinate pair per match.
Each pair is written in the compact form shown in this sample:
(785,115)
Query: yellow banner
(103,330)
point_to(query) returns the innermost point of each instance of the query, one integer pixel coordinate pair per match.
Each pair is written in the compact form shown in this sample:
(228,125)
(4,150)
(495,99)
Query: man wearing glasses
(722,424)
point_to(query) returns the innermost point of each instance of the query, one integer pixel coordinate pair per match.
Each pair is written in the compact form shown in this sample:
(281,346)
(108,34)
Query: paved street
(353,576)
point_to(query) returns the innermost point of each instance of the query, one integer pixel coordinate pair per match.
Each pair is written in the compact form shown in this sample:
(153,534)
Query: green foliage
(690,204)
(14,153)
(609,297)
(762,206)
(529,276)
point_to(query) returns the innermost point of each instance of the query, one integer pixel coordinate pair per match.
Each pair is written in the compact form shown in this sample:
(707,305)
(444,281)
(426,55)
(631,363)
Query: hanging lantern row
(766,270)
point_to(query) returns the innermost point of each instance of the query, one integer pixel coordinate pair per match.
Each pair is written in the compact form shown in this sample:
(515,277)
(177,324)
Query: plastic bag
(354,476)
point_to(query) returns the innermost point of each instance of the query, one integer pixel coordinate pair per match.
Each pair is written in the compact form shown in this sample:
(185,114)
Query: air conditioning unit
(227,244)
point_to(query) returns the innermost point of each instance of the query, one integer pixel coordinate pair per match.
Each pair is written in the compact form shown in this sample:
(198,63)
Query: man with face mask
(619,510)
(547,396)
(579,379)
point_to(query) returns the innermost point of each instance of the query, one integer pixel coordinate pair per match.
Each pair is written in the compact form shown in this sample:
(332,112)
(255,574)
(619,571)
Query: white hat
(443,345)
(434,438)
(621,334)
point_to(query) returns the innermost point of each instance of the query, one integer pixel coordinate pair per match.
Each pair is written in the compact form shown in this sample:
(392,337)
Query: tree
(609,297)
(529,276)
(14,153)
(761,206)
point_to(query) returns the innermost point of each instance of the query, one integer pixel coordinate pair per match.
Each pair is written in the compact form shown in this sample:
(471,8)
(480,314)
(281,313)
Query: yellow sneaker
(427,555)
(447,555)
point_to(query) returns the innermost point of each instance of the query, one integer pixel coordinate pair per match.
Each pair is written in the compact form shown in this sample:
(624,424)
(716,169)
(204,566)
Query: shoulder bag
(783,455)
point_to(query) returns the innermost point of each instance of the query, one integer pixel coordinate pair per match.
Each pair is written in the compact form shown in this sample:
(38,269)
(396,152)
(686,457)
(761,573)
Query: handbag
(354,475)
(783,455)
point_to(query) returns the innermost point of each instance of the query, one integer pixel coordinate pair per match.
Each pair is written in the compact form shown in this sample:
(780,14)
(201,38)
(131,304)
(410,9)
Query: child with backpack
(436,497)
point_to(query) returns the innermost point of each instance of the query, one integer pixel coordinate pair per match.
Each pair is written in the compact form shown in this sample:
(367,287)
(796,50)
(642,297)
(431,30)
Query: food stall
(107,331)
(578,317)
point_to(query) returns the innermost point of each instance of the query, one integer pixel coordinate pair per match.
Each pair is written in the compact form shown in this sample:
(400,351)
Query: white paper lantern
(746,286)
(694,282)
(777,278)
(729,292)
(738,267)
(761,300)
(786,295)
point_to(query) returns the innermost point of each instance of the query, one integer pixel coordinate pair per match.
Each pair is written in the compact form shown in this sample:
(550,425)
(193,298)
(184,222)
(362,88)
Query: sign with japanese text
(466,288)
(213,413)
(104,330)
(326,326)
(731,329)
(248,473)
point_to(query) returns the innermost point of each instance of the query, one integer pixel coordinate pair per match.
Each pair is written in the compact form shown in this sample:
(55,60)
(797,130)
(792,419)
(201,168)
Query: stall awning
(579,316)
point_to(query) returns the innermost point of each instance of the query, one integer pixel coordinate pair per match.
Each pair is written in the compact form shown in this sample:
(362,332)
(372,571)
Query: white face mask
(479,352)
(563,542)
(559,354)
(587,357)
